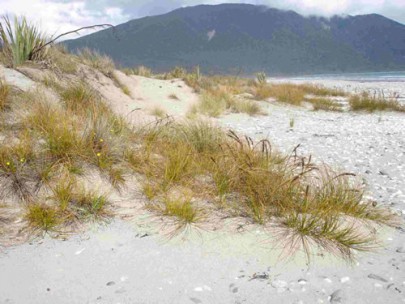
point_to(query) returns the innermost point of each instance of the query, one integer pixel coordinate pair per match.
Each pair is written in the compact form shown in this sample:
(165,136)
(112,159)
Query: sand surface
(133,262)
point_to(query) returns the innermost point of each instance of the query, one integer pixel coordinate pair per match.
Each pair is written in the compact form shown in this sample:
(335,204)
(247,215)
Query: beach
(134,261)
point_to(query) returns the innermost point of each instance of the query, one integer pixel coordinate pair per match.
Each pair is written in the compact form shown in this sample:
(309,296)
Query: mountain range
(229,38)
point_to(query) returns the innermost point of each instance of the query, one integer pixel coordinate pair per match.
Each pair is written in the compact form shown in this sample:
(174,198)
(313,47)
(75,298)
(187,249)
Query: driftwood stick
(68,33)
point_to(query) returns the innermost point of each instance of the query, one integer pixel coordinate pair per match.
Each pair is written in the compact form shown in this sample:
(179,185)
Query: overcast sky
(56,16)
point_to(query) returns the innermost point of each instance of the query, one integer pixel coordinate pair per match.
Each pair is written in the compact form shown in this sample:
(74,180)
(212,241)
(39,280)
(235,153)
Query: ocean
(397,76)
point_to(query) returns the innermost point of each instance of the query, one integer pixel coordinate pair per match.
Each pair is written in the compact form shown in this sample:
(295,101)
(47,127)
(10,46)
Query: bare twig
(68,33)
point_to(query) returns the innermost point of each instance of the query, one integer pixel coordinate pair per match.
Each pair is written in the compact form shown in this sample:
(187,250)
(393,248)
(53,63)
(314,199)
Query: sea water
(397,76)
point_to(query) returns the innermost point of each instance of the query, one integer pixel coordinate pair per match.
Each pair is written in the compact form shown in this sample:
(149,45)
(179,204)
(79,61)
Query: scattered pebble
(80,251)
(344,279)
(120,290)
(337,296)
(207,288)
(259,276)
(400,249)
(111,283)
(280,285)
(376,277)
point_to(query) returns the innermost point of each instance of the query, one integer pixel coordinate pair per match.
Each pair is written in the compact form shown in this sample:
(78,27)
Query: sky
(58,16)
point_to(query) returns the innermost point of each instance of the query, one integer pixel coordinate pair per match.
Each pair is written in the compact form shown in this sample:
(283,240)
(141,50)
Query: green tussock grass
(42,217)
(368,103)
(181,210)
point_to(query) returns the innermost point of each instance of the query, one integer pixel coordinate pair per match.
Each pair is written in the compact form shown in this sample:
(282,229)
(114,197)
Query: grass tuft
(94,59)
(174,97)
(158,112)
(4,95)
(140,71)
(325,104)
(42,217)
(368,103)
(78,97)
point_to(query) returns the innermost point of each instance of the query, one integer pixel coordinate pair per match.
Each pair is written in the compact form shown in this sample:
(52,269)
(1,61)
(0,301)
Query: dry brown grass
(368,103)
(322,91)
(98,61)
(4,95)
(324,104)
(61,60)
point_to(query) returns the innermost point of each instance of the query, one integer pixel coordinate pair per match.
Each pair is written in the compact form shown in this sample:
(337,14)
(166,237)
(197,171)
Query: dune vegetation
(53,149)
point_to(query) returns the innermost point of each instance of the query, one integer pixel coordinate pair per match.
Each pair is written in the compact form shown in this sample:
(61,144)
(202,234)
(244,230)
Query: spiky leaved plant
(20,40)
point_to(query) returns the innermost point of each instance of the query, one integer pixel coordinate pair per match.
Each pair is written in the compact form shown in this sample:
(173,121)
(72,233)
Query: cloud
(390,8)
(59,17)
